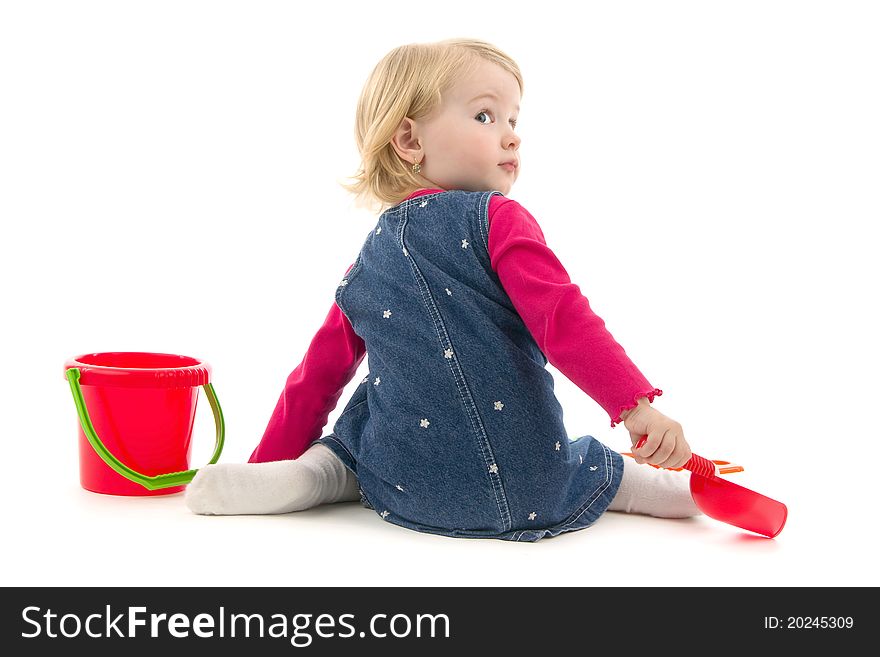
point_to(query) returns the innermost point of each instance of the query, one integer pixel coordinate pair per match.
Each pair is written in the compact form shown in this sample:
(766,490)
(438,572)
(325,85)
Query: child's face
(467,139)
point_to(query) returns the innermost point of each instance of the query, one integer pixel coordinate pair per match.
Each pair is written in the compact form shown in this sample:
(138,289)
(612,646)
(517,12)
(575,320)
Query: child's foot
(654,492)
(316,477)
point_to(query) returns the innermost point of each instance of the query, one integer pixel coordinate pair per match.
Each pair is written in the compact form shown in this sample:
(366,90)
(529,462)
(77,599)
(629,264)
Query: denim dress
(456,429)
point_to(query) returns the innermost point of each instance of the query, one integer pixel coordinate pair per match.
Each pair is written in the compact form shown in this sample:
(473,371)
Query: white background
(707,172)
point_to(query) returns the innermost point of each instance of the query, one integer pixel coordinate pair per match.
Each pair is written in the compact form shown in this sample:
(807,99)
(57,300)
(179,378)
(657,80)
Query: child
(459,303)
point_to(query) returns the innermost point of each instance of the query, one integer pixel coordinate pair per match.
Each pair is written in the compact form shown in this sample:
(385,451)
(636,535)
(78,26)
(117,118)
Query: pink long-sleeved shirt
(572,337)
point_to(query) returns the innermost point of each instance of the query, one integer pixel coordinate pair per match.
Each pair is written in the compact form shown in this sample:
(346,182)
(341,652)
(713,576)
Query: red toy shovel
(728,502)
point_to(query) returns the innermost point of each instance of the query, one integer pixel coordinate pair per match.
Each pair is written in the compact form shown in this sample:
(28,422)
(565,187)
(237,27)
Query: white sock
(654,492)
(316,477)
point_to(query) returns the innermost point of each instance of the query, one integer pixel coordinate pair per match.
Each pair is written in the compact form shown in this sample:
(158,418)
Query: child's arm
(572,337)
(312,389)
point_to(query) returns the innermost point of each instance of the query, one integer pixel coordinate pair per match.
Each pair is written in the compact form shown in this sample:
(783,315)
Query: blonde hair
(408,82)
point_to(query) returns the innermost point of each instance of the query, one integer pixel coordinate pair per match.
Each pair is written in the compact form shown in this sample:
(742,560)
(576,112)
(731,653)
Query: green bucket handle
(155,482)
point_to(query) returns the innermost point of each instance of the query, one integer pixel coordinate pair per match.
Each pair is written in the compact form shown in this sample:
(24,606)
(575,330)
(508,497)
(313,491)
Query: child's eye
(482,112)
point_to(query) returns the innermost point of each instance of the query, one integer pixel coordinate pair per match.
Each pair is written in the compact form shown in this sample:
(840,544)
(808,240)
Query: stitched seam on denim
(461,385)
(609,469)
(483,218)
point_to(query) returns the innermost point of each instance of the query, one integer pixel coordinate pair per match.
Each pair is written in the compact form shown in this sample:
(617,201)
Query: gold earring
(416,167)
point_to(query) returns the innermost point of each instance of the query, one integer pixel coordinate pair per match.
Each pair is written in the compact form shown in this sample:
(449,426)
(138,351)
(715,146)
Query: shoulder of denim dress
(509,204)
(470,198)
(489,203)
(477,193)
(421,194)
(413,198)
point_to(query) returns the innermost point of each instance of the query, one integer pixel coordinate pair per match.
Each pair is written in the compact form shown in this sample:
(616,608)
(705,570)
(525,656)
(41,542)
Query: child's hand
(665,446)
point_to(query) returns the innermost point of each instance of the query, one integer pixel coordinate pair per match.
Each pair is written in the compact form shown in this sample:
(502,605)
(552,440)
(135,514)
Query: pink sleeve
(572,337)
(312,389)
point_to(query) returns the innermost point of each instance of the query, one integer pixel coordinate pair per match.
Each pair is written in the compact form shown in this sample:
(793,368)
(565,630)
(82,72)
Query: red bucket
(136,413)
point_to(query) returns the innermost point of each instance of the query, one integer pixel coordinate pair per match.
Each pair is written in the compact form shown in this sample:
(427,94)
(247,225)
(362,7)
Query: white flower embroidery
(448,292)
(498,406)
(365,378)
(400,488)
(344,282)
(384,514)
(532,515)
(448,353)
(386,314)
(377,381)
(379,230)
(464,244)
(424,423)
(593,468)
(423,204)
(557,445)
(493,469)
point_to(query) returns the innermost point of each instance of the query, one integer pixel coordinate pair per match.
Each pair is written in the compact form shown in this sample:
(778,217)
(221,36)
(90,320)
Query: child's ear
(405,141)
